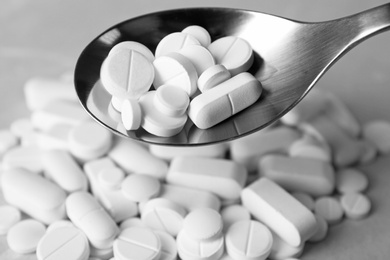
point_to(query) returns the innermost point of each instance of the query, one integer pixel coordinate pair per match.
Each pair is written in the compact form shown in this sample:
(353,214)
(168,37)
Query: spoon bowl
(290,57)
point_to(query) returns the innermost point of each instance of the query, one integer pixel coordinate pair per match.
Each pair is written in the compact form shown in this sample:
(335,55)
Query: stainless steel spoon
(290,57)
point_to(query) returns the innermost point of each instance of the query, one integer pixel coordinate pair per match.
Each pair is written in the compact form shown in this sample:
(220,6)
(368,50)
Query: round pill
(329,208)
(131,222)
(137,243)
(378,132)
(203,224)
(163,214)
(282,250)
(212,77)
(177,70)
(24,236)
(234,213)
(89,140)
(200,57)
(355,205)
(127,74)
(200,33)
(131,114)
(63,243)
(9,216)
(59,224)
(171,100)
(233,52)
(111,178)
(351,180)
(139,187)
(248,239)
(168,246)
(305,199)
(104,253)
(135,46)
(322,230)
(156,122)
(174,42)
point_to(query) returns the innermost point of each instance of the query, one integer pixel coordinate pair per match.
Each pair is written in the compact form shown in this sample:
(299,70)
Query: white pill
(104,253)
(59,224)
(200,57)
(141,160)
(234,213)
(171,100)
(305,199)
(212,77)
(191,249)
(89,140)
(177,70)
(136,46)
(203,224)
(117,102)
(21,126)
(127,73)
(280,211)
(111,178)
(356,205)
(368,151)
(224,100)
(312,176)
(168,245)
(163,214)
(222,177)
(233,52)
(7,141)
(63,243)
(330,209)
(378,132)
(56,137)
(137,243)
(34,195)
(174,42)
(322,230)
(60,167)
(9,216)
(200,33)
(87,214)
(351,180)
(282,250)
(24,236)
(156,122)
(131,222)
(139,187)
(248,239)
(131,114)
(26,157)
(310,147)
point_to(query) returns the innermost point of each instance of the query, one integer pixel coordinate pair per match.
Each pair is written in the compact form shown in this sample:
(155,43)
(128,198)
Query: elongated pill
(280,211)
(26,157)
(139,187)
(200,33)
(131,114)
(174,42)
(224,100)
(87,214)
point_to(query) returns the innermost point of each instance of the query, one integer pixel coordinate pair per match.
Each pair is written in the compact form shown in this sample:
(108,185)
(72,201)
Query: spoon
(290,57)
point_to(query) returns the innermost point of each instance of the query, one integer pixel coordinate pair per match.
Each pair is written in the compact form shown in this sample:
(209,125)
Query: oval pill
(131,114)
(212,77)
(24,236)
(200,33)
(174,42)
(224,100)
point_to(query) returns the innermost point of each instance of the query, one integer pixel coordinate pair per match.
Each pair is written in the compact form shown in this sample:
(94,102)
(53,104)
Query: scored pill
(135,46)
(200,33)
(174,42)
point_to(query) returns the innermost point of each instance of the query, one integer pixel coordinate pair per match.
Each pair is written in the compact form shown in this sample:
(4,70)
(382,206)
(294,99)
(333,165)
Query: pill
(156,122)
(139,187)
(310,147)
(26,157)
(224,100)
(63,243)
(174,42)
(117,102)
(199,56)
(56,137)
(177,70)
(213,76)
(21,126)
(248,239)
(60,167)
(233,52)
(312,176)
(351,180)
(133,45)
(222,177)
(234,213)
(171,100)
(168,246)
(34,195)
(369,152)
(131,114)
(356,205)
(131,222)
(9,216)
(247,150)
(330,209)
(89,140)
(24,236)
(282,250)
(189,248)
(7,141)
(305,199)
(126,73)
(87,214)
(111,178)
(280,211)
(163,214)
(378,133)
(200,33)
(322,230)
(203,224)
(137,243)
(39,91)
(105,253)
(59,224)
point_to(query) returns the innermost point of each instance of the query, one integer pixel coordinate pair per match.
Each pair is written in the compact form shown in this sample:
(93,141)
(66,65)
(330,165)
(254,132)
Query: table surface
(45,37)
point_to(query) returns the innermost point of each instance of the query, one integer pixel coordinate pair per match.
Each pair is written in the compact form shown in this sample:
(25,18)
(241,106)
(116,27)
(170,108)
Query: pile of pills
(75,191)
(191,77)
